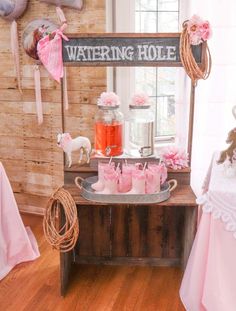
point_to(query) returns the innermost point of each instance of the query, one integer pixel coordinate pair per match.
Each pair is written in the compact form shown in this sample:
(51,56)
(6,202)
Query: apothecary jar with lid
(139,128)
(109,123)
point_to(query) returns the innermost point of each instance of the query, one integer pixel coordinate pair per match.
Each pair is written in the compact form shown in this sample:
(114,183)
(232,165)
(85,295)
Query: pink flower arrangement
(140,100)
(175,158)
(199,30)
(109,99)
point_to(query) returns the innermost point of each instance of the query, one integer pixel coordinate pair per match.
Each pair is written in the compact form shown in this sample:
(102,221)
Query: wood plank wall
(33,162)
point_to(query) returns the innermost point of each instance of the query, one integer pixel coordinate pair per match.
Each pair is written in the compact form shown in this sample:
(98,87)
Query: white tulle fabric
(219,196)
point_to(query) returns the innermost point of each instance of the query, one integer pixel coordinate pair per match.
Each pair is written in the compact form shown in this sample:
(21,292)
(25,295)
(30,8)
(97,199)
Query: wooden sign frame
(131,39)
(125,50)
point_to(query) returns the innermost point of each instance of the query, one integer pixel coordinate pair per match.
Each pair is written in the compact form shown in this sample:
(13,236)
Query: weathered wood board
(29,153)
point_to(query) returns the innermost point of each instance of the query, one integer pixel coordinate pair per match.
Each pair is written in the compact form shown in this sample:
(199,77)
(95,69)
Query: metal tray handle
(174,182)
(78,182)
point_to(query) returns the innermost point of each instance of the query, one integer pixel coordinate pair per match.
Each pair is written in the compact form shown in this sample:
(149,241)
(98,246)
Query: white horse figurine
(80,143)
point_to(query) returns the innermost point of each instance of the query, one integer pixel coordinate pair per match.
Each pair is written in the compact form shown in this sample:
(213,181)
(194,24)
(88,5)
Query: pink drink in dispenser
(109,125)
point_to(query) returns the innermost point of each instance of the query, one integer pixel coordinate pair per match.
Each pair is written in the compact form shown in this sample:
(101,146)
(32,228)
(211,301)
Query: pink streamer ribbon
(60,32)
(38,96)
(15,52)
(61,15)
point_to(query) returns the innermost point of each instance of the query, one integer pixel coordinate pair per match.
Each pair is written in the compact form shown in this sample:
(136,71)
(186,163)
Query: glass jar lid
(139,106)
(108,107)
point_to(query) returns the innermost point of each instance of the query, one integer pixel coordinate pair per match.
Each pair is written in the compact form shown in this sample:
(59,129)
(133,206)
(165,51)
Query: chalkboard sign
(125,50)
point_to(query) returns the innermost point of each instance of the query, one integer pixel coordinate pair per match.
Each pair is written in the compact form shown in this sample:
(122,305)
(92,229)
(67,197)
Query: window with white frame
(166,86)
(158,82)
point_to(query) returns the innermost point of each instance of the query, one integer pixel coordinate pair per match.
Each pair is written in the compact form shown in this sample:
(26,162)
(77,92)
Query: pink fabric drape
(17,243)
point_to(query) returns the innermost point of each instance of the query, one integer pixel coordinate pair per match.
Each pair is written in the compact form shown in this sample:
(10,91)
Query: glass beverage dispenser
(109,126)
(139,128)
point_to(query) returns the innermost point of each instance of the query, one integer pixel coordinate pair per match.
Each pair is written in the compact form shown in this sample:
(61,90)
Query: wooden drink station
(137,233)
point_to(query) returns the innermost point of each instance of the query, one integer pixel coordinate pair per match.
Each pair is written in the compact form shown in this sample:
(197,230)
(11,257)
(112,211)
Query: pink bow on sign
(50,52)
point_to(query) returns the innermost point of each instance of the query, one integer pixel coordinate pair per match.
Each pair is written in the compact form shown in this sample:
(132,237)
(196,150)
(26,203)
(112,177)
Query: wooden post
(191,121)
(63,114)
(66,260)
(190,228)
(62,106)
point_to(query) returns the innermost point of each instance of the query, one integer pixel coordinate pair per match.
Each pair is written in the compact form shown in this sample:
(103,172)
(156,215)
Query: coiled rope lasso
(194,71)
(62,239)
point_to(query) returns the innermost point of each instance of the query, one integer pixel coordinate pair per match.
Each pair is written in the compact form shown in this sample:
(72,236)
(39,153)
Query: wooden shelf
(182,196)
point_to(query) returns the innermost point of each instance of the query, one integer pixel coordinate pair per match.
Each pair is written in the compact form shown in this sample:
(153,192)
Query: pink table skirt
(209,281)
(17,243)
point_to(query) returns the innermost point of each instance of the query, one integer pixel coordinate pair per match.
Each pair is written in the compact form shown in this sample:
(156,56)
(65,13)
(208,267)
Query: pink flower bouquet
(175,158)
(109,99)
(140,100)
(199,30)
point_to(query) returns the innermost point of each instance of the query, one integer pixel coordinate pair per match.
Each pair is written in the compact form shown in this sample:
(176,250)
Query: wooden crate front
(144,234)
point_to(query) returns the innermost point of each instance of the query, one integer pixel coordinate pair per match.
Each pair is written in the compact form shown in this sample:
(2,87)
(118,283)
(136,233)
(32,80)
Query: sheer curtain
(216,96)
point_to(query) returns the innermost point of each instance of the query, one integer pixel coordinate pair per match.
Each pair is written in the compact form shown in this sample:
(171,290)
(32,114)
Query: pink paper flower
(108,99)
(206,31)
(199,30)
(175,158)
(140,99)
(194,23)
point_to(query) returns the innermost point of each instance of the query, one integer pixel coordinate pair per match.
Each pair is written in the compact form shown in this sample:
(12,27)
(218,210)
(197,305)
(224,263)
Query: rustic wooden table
(129,234)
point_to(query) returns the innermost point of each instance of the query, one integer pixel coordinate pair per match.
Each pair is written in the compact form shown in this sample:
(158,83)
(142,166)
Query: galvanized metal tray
(89,194)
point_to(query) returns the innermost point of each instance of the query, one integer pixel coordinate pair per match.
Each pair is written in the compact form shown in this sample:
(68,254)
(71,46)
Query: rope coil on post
(62,239)
(193,70)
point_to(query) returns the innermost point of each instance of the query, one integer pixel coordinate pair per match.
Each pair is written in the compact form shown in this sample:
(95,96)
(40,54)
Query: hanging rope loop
(62,239)
(193,70)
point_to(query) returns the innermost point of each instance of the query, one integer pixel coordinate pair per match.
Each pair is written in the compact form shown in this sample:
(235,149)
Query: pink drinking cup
(111,177)
(153,181)
(160,169)
(125,182)
(138,182)
(102,166)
